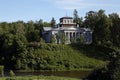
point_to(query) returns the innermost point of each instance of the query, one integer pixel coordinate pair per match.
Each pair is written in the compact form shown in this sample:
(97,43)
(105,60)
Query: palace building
(69,29)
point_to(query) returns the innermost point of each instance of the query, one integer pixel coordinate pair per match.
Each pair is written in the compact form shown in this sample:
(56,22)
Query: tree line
(106,30)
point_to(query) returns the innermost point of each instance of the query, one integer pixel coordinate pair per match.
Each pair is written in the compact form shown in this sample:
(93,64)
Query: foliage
(12,74)
(101,32)
(115,29)
(50,57)
(81,39)
(2,70)
(77,19)
(53,39)
(111,71)
(63,38)
(90,19)
(39,78)
(53,22)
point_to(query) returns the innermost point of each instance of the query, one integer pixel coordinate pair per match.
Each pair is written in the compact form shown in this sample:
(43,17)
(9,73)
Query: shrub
(2,70)
(11,73)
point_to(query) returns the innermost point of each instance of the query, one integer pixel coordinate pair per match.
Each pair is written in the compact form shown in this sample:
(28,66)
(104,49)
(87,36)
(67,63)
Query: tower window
(68,21)
(64,21)
(71,21)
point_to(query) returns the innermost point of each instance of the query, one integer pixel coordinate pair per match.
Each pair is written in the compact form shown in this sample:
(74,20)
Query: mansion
(70,30)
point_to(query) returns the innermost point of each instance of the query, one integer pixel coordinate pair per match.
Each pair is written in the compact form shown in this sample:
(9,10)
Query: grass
(59,57)
(38,78)
(66,58)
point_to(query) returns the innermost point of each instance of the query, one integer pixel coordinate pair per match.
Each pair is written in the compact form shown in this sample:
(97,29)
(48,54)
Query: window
(64,21)
(68,20)
(71,21)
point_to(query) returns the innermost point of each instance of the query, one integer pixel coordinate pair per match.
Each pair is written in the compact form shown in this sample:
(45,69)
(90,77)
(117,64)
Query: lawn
(38,78)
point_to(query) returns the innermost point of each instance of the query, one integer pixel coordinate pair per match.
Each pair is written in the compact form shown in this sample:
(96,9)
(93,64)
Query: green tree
(2,71)
(101,33)
(113,68)
(42,40)
(81,39)
(18,64)
(109,72)
(18,27)
(53,22)
(62,38)
(115,29)
(47,24)
(39,24)
(5,26)
(76,18)
(91,19)
(12,74)
(53,39)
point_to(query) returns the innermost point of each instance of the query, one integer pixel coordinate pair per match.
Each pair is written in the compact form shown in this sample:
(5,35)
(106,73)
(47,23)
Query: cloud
(68,4)
(80,4)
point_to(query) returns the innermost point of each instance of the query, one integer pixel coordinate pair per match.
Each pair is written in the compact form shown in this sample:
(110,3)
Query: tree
(111,71)
(114,66)
(42,40)
(39,24)
(2,71)
(81,39)
(72,40)
(53,39)
(53,22)
(91,19)
(46,24)
(62,38)
(115,29)
(101,33)
(5,26)
(76,19)
(12,74)
(18,64)
(32,33)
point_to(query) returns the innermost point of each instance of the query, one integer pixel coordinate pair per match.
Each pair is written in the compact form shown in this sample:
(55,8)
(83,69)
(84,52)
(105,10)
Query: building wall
(69,35)
(47,36)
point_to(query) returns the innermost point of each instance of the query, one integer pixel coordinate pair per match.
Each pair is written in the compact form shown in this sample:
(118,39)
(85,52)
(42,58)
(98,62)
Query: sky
(26,10)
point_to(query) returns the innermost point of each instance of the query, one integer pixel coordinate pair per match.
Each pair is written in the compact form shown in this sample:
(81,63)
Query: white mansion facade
(70,31)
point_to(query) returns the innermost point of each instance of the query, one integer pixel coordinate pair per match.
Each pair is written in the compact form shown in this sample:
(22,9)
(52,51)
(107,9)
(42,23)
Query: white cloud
(80,4)
(68,4)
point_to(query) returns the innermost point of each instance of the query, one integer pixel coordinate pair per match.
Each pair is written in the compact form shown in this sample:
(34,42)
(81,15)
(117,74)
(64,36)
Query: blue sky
(14,10)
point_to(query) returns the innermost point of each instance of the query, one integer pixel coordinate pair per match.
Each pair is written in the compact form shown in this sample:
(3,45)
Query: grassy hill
(64,57)
(57,57)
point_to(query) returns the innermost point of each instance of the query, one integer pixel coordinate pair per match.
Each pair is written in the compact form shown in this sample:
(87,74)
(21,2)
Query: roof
(47,28)
(66,29)
(66,17)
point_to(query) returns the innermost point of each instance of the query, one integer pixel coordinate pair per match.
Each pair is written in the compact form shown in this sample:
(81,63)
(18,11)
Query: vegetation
(53,57)
(2,71)
(38,78)
(53,22)
(12,74)
(110,72)
(77,19)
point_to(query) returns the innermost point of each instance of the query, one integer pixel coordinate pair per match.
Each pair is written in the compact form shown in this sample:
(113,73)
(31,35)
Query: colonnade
(72,35)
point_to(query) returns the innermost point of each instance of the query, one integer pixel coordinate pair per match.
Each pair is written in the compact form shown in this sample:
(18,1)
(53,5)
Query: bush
(2,70)
(12,74)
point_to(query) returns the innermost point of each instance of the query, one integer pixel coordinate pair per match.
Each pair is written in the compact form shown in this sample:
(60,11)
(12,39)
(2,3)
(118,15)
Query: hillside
(57,57)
